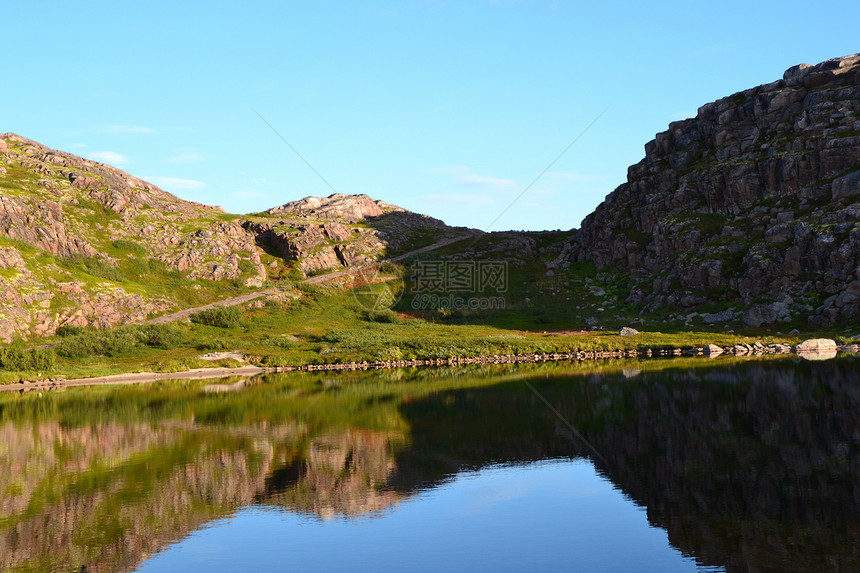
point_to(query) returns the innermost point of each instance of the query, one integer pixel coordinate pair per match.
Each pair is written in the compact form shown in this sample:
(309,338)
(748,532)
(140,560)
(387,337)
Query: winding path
(319,279)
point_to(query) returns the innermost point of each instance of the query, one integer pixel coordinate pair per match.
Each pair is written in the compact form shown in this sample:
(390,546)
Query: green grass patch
(221,317)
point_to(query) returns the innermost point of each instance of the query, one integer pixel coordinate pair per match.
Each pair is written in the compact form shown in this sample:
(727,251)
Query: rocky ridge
(85,244)
(753,204)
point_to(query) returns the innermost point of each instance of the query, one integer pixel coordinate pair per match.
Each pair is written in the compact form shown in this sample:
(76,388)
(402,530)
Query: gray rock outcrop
(754,201)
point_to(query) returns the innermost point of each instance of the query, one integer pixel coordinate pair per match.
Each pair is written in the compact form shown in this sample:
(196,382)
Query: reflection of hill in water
(80,487)
(755,468)
(127,490)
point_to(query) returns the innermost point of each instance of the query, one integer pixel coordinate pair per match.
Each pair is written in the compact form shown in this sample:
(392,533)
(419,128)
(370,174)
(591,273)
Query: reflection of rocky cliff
(756,468)
(342,475)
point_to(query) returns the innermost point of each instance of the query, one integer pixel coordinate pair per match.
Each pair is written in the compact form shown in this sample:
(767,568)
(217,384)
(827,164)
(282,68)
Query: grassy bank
(324,324)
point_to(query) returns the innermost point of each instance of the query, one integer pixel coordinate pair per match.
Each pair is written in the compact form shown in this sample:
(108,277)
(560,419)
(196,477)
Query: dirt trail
(319,279)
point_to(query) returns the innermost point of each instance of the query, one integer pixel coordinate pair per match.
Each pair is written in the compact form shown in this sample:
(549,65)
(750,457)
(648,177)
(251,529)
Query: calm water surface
(629,466)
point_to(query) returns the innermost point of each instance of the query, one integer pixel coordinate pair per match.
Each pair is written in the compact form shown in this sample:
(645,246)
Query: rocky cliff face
(753,203)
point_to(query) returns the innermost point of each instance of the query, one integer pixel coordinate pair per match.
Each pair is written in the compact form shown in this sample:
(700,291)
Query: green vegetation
(129,246)
(328,324)
(120,341)
(19,360)
(222,317)
(541,311)
(92,266)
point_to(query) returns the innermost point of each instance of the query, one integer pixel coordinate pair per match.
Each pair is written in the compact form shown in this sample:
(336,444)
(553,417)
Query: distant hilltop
(352,208)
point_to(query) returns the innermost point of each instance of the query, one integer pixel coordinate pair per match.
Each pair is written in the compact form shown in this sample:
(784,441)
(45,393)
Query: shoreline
(710,351)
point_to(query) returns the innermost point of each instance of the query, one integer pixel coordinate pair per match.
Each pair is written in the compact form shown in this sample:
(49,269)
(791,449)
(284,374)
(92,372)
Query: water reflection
(752,466)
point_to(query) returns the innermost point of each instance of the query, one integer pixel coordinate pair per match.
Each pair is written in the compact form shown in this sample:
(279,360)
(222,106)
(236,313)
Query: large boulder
(816,345)
(817,349)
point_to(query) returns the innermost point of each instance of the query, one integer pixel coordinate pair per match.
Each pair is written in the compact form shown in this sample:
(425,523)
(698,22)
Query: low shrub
(34,359)
(386,316)
(389,268)
(311,290)
(69,330)
(274,361)
(100,343)
(211,345)
(247,267)
(279,341)
(164,336)
(130,246)
(221,316)
(93,266)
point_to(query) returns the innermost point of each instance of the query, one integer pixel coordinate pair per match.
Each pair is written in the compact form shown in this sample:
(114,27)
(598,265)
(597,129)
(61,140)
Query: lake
(659,465)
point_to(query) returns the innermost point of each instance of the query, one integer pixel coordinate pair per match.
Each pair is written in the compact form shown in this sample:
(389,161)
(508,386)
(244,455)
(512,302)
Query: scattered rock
(222,356)
(627,331)
(816,345)
(717,317)
(712,350)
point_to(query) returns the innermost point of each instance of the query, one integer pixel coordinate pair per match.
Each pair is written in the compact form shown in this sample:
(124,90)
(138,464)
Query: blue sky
(445,108)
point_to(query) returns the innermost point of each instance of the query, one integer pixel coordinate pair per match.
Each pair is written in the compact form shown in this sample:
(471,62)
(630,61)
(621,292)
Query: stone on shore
(712,350)
(816,345)
(627,331)
(817,349)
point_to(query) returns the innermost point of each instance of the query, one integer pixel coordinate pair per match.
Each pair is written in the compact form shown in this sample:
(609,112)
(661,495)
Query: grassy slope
(328,324)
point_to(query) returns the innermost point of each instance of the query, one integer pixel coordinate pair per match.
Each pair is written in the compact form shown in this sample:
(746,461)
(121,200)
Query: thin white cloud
(485,181)
(175,183)
(121,128)
(188,156)
(464,177)
(109,157)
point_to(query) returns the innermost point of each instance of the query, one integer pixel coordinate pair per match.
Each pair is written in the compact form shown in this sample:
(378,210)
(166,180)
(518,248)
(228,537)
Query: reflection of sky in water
(547,516)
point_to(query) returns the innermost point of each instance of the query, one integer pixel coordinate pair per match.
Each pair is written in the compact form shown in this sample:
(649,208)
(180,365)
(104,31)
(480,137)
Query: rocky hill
(342,230)
(85,244)
(752,206)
